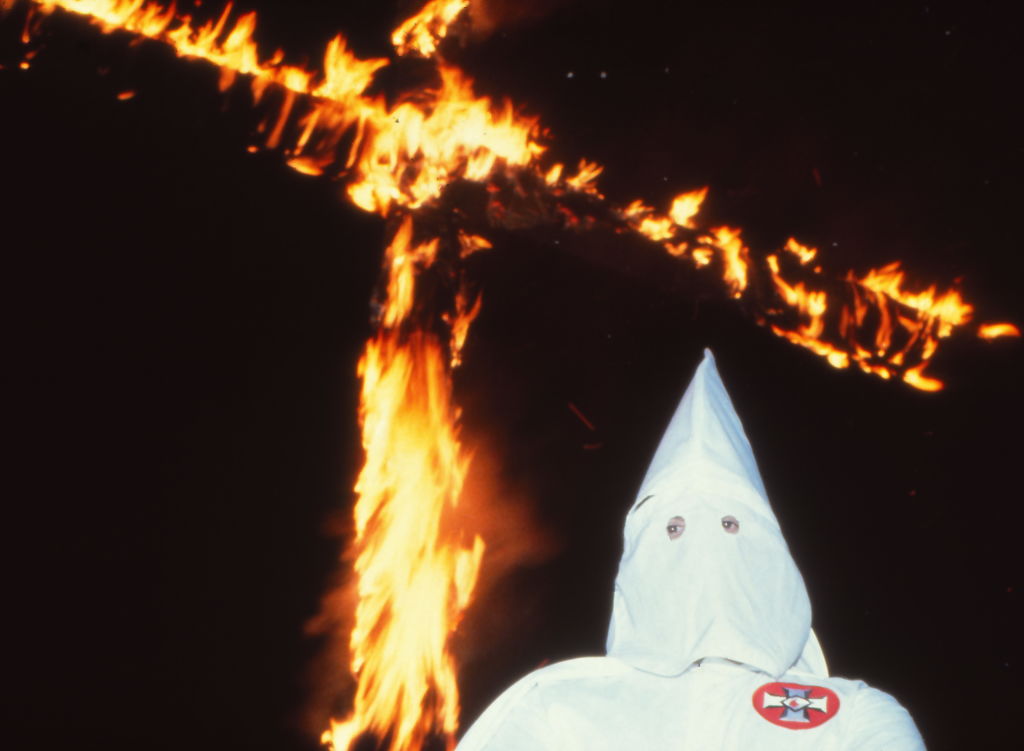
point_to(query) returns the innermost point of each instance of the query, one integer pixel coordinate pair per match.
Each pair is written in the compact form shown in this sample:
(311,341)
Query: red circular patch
(794,706)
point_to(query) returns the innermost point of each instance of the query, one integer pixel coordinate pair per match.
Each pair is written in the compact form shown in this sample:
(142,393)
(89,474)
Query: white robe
(603,704)
(710,644)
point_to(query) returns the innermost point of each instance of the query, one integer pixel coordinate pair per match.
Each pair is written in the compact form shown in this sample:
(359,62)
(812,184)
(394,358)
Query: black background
(183,320)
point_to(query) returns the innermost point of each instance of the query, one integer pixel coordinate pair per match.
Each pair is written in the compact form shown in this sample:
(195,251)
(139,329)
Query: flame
(685,207)
(736,258)
(643,219)
(949,308)
(137,16)
(416,569)
(991,331)
(228,46)
(811,304)
(917,318)
(658,227)
(400,156)
(416,149)
(423,32)
(804,253)
(585,179)
(467,308)
(914,377)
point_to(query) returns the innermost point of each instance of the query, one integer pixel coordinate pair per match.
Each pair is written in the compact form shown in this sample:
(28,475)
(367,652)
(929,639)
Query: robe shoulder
(881,722)
(876,719)
(517,706)
(600,703)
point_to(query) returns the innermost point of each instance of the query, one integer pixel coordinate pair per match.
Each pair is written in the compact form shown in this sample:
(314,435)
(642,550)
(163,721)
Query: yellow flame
(400,156)
(416,567)
(417,148)
(470,244)
(138,16)
(915,378)
(423,32)
(949,308)
(702,255)
(991,331)
(585,179)
(735,256)
(643,219)
(803,252)
(685,207)
(467,308)
(811,304)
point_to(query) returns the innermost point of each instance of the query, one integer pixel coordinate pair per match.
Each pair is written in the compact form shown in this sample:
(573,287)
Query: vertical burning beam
(416,568)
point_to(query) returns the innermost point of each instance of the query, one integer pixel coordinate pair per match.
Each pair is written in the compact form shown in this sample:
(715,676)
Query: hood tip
(708,363)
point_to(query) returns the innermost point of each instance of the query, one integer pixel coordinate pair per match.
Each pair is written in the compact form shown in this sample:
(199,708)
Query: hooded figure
(710,644)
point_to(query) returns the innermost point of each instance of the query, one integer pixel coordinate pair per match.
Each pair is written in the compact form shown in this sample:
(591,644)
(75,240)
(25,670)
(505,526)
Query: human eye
(675,527)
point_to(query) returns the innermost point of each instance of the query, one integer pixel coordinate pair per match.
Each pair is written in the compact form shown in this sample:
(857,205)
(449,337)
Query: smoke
(330,686)
(504,515)
(488,16)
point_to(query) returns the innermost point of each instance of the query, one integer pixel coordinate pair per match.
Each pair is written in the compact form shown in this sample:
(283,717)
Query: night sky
(183,320)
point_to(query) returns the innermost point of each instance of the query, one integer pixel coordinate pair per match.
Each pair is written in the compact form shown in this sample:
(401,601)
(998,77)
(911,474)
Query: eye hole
(730,525)
(676,527)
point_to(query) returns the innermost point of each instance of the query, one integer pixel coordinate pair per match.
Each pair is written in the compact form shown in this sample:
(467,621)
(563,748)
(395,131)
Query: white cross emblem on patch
(796,703)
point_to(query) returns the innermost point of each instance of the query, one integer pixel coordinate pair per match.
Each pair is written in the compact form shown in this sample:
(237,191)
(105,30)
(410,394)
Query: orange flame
(804,253)
(416,569)
(423,32)
(412,152)
(585,179)
(736,257)
(658,227)
(685,207)
(949,309)
(991,331)
(643,219)
(923,316)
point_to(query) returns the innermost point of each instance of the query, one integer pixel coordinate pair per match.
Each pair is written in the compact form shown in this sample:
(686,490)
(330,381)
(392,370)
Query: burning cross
(795,704)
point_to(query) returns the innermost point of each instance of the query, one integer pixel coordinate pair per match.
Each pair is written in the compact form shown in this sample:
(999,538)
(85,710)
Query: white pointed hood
(708,593)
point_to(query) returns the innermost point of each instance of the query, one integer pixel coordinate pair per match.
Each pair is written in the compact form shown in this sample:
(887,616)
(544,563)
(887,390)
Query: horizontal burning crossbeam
(402,155)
